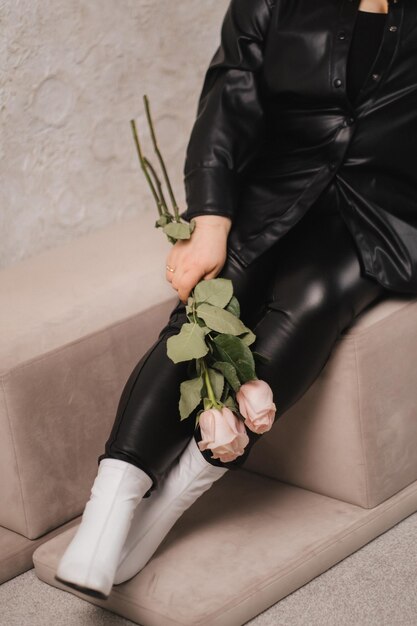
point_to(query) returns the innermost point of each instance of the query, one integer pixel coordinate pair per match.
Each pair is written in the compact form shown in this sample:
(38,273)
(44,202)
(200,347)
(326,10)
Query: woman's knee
(305,302)
(322,283)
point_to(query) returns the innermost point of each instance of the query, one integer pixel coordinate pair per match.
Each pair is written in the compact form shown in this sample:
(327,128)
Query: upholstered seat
(335,471)
(76,320)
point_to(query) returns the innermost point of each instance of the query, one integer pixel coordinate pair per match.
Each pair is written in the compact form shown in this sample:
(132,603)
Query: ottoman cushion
(242,546)
(353,434)
(16,551)
(77,320)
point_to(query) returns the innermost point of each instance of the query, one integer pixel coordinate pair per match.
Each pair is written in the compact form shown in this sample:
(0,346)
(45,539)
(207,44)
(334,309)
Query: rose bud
(223,433)
(256,405)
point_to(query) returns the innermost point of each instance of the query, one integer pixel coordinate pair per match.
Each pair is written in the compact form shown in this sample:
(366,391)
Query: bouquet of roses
(222,377)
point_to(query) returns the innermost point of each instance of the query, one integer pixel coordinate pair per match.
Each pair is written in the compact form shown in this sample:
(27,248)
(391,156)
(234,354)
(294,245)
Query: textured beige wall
(73,74)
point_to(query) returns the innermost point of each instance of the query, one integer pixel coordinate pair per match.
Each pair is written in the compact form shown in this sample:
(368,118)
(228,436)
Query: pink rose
(223,433)
(256,405)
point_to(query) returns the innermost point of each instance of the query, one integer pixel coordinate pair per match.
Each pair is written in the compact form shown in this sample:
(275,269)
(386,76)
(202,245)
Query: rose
(223,433)
(256,405)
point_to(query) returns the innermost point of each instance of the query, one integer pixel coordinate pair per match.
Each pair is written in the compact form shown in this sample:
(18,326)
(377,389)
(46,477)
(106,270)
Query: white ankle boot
(90,560)
(189,477)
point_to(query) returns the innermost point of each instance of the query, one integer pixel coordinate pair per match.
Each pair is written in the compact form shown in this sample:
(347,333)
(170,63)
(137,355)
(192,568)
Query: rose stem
(143,166)
(151,126)
(210,392)
(162,201)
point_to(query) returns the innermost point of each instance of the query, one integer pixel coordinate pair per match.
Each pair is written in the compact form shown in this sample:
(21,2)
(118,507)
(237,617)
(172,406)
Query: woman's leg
(297,297)
(147,436)
(310,287)
(147,430)
(317,290)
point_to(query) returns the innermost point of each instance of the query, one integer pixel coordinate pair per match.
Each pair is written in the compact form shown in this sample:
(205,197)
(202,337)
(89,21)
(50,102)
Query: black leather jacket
(275,129)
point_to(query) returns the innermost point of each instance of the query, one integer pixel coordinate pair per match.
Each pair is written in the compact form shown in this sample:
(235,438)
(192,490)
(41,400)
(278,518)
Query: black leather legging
(297,297)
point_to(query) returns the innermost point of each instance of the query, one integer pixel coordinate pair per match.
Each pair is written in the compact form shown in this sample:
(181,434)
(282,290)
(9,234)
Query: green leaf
(246,370)
(216,291)
(188,344)
(203,326)
(177,230)
(232,350)
(226,391)
(193,224)
(230,403)
(190,396)
(220,320)
(161,221)
(216,381)
(233,306)
(248,338)
(229,372)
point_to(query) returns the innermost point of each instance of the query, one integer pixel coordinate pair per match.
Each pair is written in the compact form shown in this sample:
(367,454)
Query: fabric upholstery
(245,544)
(73,290)
(78,319)
(352,435)
(16,551)
(60,408)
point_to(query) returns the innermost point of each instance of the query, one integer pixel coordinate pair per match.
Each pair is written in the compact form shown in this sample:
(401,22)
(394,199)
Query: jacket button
(393,29)
(337,82)
(348,121)
(375,76)
(341,34)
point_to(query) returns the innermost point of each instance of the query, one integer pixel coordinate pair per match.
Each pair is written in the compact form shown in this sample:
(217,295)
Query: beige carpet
(375,586)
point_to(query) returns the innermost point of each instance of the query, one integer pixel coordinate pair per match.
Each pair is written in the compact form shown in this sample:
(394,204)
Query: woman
(302,202)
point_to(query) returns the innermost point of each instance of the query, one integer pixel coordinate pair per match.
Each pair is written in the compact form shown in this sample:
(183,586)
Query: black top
(366,38)
(273,131)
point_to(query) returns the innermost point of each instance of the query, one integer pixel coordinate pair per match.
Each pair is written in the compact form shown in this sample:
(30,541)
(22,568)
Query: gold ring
(170,269)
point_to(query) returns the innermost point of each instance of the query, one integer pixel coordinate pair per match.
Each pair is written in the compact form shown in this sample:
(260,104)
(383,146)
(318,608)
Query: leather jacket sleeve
(229,125)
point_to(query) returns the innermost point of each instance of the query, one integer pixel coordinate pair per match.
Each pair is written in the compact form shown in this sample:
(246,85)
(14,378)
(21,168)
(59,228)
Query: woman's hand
(201,256)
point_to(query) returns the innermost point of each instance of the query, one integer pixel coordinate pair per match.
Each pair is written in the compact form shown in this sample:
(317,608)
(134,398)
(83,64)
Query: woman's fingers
(190,260)
(171,262)
(214,272)
(169,274)
(186,282)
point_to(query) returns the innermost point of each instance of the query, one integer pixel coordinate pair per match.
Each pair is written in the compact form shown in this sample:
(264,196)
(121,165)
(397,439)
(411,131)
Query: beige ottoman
(338,469)
(74,322)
